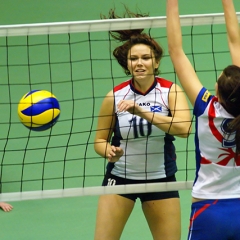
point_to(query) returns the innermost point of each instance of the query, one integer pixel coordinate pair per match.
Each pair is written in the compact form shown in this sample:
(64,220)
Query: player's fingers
(113,148)
(111,154)
(122,106)
(119,150)
(5,209)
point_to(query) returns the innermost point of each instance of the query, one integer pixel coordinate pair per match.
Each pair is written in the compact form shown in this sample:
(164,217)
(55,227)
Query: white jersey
(218,171)
(149,152)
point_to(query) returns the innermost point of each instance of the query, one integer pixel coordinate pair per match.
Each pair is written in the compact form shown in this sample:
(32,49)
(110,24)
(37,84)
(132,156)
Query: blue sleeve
(202,101)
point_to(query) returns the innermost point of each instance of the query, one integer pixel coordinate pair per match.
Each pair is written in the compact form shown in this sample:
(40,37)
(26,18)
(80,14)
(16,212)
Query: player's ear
(157,64)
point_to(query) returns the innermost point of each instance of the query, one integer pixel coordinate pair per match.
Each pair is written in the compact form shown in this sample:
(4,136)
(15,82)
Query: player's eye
(133,59)
(147,58)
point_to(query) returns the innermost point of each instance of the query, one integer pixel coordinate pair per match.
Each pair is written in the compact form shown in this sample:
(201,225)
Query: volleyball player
(6,207)
(143,114)
(215,210)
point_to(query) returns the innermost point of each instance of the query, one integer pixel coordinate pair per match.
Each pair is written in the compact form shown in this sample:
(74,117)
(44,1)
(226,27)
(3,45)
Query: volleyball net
(74,61)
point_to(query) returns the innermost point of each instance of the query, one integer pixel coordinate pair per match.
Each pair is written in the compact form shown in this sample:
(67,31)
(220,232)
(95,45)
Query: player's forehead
(140,50)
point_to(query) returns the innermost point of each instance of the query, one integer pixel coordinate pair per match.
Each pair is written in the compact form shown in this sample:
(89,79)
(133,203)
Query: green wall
(35,11)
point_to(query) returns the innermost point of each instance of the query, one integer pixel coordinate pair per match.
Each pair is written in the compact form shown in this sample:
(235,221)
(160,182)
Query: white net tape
(106,25)
(91,191)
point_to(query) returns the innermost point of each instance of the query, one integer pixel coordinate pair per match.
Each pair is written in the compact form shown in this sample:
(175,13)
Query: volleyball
(38,110)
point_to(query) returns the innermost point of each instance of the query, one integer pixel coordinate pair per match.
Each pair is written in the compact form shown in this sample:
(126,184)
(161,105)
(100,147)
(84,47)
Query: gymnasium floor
(71,218)
(74,218)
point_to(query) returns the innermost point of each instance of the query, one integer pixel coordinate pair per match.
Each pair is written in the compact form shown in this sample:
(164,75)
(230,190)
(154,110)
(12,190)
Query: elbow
(96,147)
(188,132)
(100,147)
(185,133)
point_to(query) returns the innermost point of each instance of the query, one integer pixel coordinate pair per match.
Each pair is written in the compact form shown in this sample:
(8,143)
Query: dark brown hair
(229,93)
(130,38)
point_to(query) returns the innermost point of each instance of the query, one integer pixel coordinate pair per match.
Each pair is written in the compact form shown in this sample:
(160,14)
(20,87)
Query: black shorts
(112,180)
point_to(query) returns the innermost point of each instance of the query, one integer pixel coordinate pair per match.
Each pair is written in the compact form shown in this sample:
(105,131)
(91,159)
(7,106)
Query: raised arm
(185,72)
(233,31)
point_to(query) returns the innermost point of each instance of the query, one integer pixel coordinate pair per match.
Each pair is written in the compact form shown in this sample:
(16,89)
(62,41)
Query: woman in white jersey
(136,124)
(216,191)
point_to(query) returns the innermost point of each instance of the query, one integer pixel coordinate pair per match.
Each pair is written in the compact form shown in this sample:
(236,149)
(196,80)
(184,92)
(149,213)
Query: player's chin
(143,75)
(139,76)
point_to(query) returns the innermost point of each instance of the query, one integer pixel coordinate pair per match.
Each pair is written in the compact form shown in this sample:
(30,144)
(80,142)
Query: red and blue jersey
(218,168)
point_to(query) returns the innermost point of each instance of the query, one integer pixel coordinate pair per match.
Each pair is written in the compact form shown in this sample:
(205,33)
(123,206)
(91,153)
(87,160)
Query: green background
(31,11)
(25,154)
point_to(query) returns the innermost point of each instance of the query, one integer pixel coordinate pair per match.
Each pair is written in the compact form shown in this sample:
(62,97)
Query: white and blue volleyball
(38,110)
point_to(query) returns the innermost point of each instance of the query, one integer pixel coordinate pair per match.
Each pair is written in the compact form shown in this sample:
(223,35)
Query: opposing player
(143,114)
(216,190)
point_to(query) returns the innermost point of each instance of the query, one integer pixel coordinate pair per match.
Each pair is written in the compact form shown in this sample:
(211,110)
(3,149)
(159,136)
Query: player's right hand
(114,154)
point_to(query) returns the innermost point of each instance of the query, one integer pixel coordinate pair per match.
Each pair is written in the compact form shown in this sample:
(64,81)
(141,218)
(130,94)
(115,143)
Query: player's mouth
(140,71)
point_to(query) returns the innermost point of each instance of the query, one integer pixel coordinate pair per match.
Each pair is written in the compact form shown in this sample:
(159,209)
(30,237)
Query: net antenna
(67,58)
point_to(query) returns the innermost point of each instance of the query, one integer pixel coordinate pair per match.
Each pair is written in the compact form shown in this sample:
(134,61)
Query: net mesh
(73,60)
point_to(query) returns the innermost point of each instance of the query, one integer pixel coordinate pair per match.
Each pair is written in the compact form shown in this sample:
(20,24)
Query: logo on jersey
(156,109)
(226,138)
(144,104)
(205,96)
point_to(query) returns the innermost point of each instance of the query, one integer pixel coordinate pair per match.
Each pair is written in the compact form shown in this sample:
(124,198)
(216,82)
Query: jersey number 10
(138,128)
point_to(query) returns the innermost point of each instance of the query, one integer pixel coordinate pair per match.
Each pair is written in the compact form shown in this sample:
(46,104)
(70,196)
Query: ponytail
(130,38)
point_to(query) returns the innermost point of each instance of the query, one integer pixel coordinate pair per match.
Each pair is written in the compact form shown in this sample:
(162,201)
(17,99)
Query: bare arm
(185,72)
(106,122)
(233,31)
(179,124)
